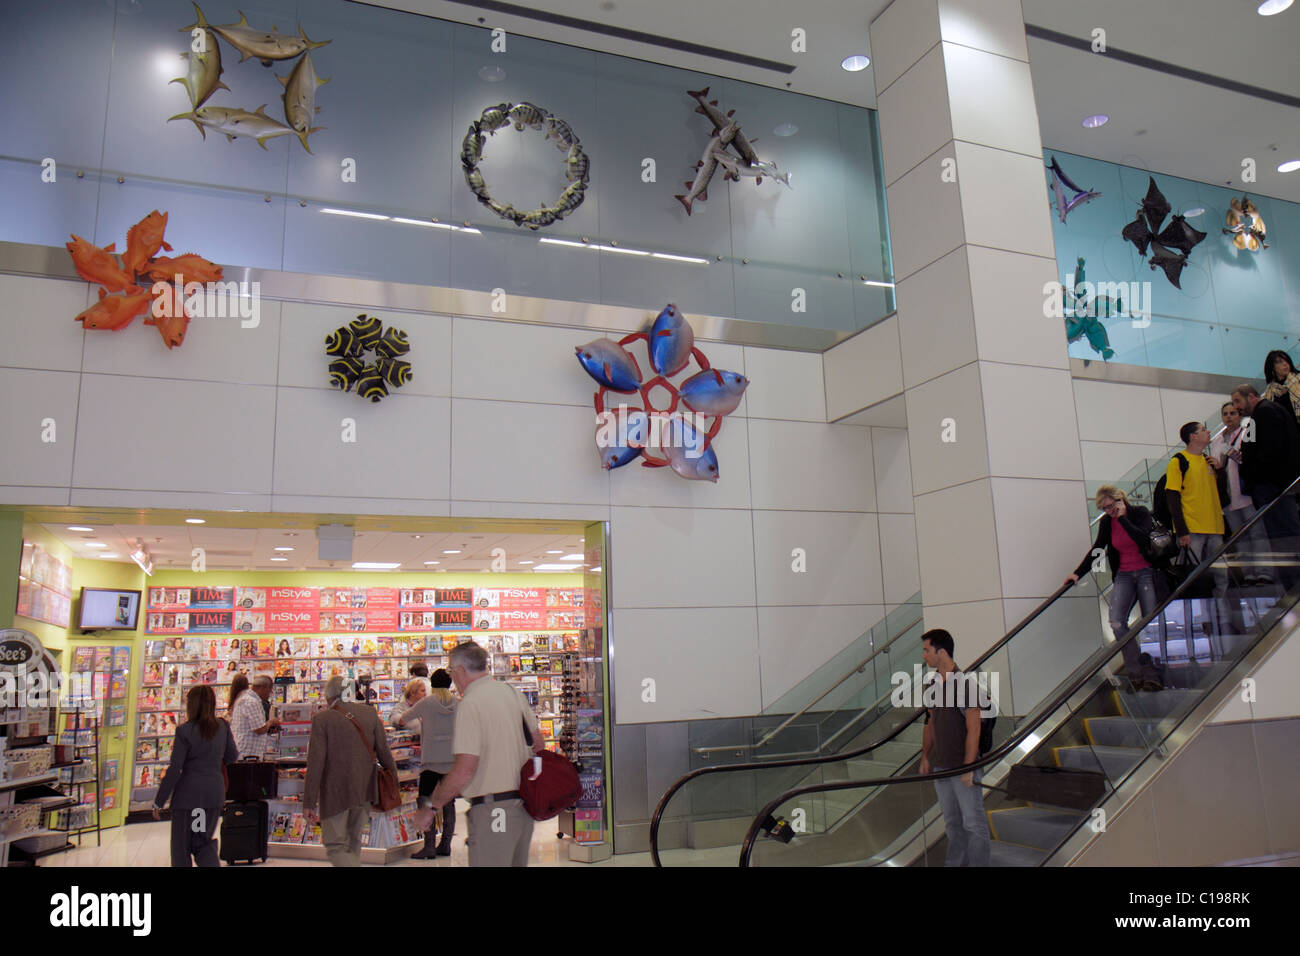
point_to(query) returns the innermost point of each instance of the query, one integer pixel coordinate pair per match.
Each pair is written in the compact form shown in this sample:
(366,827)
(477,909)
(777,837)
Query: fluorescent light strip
(357,215)
(435,225)
(375,565)
(883,285)
(664,255)
(627,252)
(567,242)
(557,567)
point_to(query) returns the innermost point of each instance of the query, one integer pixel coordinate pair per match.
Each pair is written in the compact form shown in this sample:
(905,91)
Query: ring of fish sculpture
(576,163)
(346,347)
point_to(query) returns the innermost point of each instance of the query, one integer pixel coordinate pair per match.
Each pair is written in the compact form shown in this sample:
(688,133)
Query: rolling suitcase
(244,832)
(251,780)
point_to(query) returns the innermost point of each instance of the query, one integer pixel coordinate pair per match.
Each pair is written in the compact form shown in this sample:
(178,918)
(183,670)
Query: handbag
(390,797)
(1162,544)
(1181,569)
(548,782)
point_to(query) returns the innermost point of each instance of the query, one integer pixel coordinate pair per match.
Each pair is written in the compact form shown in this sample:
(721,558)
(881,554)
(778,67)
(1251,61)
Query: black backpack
(986,733)
(1159,501)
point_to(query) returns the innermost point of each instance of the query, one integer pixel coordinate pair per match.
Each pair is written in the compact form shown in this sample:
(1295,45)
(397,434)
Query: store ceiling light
(77,527)
(1095,120)
(856,63)
(573,557)
(555,552)
(95,544)
(375,565)
(354,214)
(279,559)
(195,521)
(1289,166)
(1270,7)
(1194,212)
(432,562)
(527,562)
(283,548)
(595,570)
(109,555)
(557,567)
(451,552)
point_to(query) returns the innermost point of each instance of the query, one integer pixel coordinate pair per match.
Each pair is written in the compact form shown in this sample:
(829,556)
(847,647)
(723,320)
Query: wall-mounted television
(109,609)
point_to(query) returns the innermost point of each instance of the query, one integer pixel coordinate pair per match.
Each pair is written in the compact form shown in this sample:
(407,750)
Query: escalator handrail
(1106,652)
(856,669)
(657,816)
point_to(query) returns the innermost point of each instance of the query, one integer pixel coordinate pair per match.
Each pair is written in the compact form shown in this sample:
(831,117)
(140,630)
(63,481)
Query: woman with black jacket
(1124,534)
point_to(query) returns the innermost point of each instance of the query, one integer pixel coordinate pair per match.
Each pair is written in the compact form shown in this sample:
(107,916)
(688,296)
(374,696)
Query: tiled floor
(148,844)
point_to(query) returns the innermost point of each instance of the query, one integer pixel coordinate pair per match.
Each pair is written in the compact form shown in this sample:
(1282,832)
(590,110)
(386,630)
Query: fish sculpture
(1245,225)
(143,240)
(537,218)
(471,149)
(1165,246)
(190,266)
(686,451)
(300,98)
(257,44)
(1083,315)
(1080,196)
(114,312)
(234,122)
(569,200)
(495,117)
(526,114)
(720,120)
(611,365)
(631,435)
(98,265)
(698,188)
(671,341)
(203,76)
(392,344)
(577,165)
(345,372)
(734,169)
(714,392)
(1168,260)
(561,132)
(172,328)
(371,385)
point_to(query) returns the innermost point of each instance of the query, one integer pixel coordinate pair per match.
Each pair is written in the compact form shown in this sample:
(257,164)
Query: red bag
(553,790)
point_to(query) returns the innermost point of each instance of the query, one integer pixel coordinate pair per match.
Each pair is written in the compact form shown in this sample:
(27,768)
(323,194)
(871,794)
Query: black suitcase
(244,831)
(1056,786)
(252,780)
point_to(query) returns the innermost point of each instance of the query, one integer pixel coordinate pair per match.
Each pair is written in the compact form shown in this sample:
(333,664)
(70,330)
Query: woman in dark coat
(1124,535)
(194,780)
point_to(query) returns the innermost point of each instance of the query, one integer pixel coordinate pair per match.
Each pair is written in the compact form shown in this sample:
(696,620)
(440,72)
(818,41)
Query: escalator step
(1112,761)
(1158,703)
(1002,853)
(1033,827)
(1120,731)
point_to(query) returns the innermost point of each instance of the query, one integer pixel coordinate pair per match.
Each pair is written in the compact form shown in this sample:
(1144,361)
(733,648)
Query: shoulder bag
(390,797)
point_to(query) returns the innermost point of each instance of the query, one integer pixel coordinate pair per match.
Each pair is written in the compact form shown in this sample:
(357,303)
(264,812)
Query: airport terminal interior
(727,382)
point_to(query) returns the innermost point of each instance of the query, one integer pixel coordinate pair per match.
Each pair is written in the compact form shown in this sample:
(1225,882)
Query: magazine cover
(146,749)
(121,658)
(148,725)
(165,748)
(264,669)
(83,658)
(284,671)
(250,622)
(116,715)
(171,697)
(100,686)
(148,698)
(110,769)
(110,799)
(265,647)
(117,686)
(193,648)
(103,658)
(145,776)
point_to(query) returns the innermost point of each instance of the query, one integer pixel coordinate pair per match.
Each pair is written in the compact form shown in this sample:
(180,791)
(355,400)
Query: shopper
(1269,463)
(194,782)
(436,715)
(952,739)
(1193,496)
(490,751)
(1239,509)
(1282,381)
(416,689)
(1124,535)
(248,719)
(341,773)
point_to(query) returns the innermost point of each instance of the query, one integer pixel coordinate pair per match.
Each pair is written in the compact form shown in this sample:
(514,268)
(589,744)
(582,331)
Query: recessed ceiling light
(95,544)
(573,557)
(1270,7)
(786,129)
(279,559)
(558,567)
(375,565)
(195,521)
(417,537)
(595,570)
(433,562)
(555,552)
(108,555)
(1194,212)
(527,562)
(77,527)
(282,548)
(451,552)
(1095,120)
(491,74)
(855,63)
(1289,166)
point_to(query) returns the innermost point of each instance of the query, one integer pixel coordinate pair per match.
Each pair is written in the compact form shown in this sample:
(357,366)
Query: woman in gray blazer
(194,780)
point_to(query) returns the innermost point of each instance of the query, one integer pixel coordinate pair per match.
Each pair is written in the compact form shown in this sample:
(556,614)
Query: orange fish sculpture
(190,266)
(98,265)
(172,328)
(143,240)
(113,312)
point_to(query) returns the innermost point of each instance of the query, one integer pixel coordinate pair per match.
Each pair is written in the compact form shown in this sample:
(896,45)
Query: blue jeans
(963,820)
(1129,587)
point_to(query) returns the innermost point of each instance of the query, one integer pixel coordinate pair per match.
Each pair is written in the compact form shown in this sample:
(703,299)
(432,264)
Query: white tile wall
(893,470)
(937,463)
(916,105)
(40,331)
(863,370)
(1179,407)
(994,25)
(900,36)
(787,385)
(936,324)
(324,504)
(1108,461)
(991,99)
(898,559)
(1007,293)
(969,570)
(1276,683)
(793,641)
(1001,200)
(27,400)
(704,663)
(636,485)
(842,558)
(1041,534)
(682,558)
(1119,413)
(801,466)
(1032,431)
(975,626)
(925,188)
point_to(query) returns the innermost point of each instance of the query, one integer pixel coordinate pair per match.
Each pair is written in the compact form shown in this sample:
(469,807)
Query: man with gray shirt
(346,740)
(435,717)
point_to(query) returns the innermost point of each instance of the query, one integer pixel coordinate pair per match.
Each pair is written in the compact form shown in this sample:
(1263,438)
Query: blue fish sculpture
(671,341)
(714,392)
(620,441)
(683,446)
(609,364)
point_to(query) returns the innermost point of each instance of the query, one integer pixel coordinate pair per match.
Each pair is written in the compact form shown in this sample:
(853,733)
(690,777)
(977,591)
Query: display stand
(81,725)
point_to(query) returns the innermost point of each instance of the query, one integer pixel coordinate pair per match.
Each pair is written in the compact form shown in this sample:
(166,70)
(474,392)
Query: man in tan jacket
(341,774)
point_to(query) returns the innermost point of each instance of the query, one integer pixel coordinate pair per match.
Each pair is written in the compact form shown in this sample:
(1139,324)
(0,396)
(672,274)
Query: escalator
(1069,717)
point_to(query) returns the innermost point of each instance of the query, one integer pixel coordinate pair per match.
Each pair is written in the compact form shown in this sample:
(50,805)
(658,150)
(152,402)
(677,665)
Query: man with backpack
(1192,496)
(952,739)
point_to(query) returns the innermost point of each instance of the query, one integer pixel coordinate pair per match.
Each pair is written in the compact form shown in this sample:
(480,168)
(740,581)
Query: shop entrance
(143,605)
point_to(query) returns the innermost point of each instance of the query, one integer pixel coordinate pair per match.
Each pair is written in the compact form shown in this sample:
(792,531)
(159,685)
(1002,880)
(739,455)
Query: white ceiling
(1190,129)
(251,549)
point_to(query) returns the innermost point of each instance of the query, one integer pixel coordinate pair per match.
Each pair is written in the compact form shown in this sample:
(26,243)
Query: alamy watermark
(634,428)
(1099,300)
(922,688)
(209,300)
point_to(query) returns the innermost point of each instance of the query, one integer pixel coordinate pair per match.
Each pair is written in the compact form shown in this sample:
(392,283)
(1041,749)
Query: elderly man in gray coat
(341,773)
